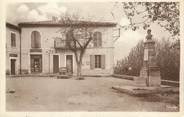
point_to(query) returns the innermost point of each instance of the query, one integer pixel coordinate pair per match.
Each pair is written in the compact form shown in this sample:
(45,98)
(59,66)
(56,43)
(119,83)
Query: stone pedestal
(150,71)
(154,78)
(140,81)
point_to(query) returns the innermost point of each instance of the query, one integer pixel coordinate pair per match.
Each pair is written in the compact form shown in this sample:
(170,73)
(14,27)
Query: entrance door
(13,66)
(69,63)
(36,63)
(55,63)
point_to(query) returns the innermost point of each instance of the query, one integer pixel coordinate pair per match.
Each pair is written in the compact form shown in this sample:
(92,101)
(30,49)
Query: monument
(150,72)
(149,81)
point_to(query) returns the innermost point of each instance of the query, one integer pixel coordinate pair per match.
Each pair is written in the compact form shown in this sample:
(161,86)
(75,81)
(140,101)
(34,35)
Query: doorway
(13,66)
(69,63)
(36,63)
(55,63)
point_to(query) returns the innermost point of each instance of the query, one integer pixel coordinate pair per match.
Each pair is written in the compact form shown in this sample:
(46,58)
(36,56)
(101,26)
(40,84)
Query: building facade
(43,53)
(12,49)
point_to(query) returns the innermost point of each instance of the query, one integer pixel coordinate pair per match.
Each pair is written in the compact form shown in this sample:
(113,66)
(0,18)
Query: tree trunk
(79,70)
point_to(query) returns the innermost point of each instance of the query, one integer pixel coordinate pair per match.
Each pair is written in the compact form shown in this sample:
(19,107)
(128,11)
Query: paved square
(91,94)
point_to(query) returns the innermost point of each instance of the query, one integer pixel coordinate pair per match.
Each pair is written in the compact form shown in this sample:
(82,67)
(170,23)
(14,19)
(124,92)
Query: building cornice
(11,26)
(67,24)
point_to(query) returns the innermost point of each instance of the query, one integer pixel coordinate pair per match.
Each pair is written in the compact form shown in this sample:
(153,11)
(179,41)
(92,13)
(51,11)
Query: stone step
(142,91)
(140,81)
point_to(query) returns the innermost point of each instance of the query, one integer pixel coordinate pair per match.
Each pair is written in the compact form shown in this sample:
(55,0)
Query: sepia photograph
(92,56)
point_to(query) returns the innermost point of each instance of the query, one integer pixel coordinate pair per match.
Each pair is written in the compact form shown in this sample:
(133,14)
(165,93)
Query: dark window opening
(13,40)
(98,61)
(35,39)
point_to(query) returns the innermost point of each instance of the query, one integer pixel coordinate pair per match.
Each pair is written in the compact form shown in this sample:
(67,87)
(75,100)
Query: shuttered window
(97,39)
(13,40)
(103,61)
(92,61)
(35,39)
(97,61)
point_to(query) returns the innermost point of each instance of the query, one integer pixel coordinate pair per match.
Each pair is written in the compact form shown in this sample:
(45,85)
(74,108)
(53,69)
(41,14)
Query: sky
(97,11)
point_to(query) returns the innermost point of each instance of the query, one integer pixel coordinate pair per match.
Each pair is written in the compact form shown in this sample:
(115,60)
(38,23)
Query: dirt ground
(91,94)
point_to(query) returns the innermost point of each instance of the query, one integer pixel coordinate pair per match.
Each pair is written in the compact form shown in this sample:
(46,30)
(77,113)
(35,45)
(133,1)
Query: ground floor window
(13,64)
(97,61)
(36,63)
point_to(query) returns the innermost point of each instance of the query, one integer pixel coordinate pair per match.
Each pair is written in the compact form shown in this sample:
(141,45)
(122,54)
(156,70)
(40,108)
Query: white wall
(12,50)
(108,52)
(47,43)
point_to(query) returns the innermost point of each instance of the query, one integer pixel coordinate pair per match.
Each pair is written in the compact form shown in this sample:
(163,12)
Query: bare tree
(78,36)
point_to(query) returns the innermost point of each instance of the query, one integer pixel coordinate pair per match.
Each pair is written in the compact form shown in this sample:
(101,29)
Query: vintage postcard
(69,58)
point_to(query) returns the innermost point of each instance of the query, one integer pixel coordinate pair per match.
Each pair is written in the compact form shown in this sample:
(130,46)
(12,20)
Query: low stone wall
(127,77)
(170,83)
(135,78)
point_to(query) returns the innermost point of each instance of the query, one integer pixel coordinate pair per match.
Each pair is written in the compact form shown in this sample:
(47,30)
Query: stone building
(12,49)
(42,53)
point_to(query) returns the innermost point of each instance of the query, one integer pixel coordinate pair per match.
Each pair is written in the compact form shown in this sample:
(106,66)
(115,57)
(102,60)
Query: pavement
(144,90)
(91,94)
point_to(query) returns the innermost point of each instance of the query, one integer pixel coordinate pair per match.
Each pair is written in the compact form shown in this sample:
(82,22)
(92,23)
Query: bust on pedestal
(150,71)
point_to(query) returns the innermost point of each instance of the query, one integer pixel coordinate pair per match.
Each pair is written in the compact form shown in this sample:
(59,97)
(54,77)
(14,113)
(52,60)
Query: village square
(124,57)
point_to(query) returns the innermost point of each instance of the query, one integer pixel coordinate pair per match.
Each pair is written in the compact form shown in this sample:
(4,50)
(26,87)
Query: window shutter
(35,39)
(39,39)
(103,61)
(92,61)
(13,40)
(32,40)
(100,41)
(94,41)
